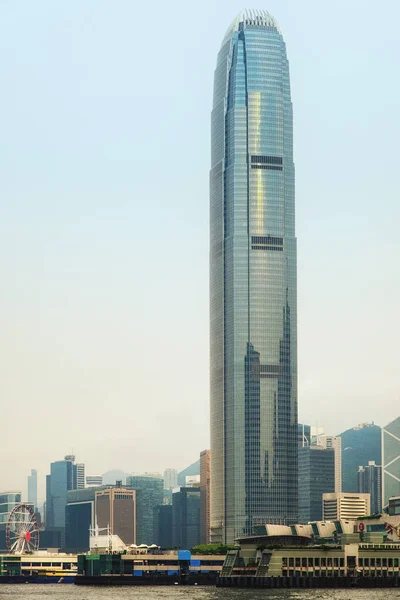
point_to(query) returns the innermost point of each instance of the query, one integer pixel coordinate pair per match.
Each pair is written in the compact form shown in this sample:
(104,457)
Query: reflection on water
(67,592)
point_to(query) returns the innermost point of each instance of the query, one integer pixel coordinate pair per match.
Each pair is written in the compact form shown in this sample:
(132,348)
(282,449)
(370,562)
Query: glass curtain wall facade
(32,488)
(186,517)
(253,320)
(370,482)
(149,495)
(316,477)
(391,461)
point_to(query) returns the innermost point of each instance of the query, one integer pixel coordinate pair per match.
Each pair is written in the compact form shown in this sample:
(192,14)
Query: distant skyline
(104,225)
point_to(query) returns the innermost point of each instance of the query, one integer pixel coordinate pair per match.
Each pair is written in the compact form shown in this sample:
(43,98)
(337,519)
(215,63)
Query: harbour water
(71,592)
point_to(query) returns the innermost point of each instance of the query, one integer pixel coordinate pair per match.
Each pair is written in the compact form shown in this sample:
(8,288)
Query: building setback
(316,476)
(253,289)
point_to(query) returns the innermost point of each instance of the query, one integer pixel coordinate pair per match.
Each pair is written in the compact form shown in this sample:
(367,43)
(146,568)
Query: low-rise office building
(345,506)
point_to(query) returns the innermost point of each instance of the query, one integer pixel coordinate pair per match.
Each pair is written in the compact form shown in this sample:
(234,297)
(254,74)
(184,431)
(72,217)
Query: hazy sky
(104,160)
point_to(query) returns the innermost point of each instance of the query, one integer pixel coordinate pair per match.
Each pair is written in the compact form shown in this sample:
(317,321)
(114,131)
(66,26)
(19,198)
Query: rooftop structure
(251,17)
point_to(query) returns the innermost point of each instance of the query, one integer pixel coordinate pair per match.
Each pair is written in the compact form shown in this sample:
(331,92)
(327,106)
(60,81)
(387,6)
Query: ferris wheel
(22,531)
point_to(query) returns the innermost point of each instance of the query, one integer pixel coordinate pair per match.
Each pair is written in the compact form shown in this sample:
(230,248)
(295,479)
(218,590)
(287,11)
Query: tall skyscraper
(391,461)
(253,320)
(64,476)
(32,488)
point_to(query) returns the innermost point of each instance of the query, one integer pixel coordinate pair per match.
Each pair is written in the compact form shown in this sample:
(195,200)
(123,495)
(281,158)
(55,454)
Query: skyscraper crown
(252,17)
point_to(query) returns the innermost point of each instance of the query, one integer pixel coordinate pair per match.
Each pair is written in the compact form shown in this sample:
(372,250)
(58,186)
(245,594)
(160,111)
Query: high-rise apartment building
(32,488)
(170,479)
(370,482)
(253,314)
(391,461)
(149,495)
(205,472)
(58,483)
(335,442)
(316,477)
(345,506)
